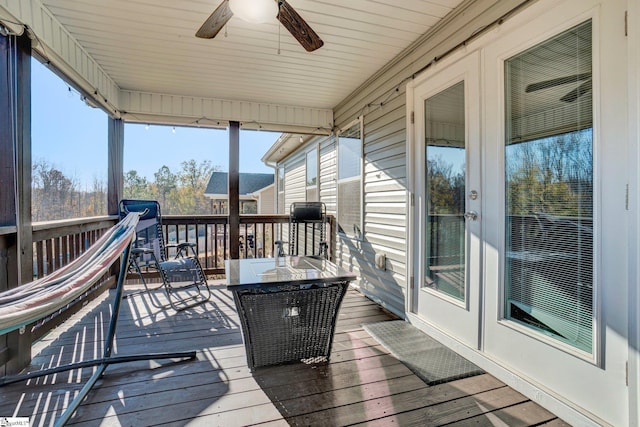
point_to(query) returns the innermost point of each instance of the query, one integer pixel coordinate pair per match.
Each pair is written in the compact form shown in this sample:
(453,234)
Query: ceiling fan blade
(216,21)
(557,82)
(577,92)
(298,27)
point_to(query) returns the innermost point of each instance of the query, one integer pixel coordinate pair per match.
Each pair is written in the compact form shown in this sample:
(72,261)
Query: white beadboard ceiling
(149,46)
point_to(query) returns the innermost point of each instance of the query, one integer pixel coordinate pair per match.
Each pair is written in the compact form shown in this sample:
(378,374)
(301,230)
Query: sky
(72,137)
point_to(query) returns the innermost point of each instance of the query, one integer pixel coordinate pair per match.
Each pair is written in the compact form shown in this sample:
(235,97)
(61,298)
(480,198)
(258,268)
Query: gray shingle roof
(249,182)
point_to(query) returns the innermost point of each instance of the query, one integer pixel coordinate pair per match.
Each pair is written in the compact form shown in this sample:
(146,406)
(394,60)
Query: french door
(520,215)
(447,206)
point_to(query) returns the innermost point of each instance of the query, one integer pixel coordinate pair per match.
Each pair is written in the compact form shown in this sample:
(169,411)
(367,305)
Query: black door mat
(426,357)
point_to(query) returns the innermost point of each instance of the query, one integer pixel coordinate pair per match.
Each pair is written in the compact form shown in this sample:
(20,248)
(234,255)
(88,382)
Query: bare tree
(55,193)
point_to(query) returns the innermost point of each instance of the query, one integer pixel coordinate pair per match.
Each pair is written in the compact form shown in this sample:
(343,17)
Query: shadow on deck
(362,384)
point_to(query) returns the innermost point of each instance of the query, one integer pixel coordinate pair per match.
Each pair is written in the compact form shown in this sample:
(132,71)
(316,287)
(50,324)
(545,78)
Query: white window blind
(549,188)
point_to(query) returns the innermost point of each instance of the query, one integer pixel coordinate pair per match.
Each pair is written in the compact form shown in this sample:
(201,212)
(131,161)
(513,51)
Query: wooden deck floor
(363,384)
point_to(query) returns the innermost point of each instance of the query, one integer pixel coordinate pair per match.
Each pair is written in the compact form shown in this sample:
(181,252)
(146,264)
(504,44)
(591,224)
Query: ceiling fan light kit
(254,11)
(257,11)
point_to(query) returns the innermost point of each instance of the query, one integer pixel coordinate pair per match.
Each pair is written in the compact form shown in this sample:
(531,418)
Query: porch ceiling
(148,50)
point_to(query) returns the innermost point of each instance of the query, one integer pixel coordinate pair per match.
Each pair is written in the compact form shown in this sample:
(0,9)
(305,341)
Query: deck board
(363,383)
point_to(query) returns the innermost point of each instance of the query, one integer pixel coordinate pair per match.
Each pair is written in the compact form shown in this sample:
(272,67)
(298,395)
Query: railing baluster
(49,252)
(77,249)
(215,245)
(57,252)
(224,240)
(264,230)
(65,250)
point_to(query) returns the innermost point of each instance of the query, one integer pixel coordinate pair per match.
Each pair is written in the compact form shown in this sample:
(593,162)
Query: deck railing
(210,233)
(57,243)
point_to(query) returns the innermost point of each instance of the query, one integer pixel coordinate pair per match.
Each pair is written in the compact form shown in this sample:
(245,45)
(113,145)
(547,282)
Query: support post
(8,277)
(16,250)
(115,185)
(233,190)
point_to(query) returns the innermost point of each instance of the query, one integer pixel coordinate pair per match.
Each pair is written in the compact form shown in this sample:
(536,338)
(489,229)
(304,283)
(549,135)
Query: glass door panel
(549,188)
(445,152)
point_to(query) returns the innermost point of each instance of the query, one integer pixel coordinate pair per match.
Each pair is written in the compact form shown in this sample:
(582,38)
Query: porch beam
(161,108)
(233,190)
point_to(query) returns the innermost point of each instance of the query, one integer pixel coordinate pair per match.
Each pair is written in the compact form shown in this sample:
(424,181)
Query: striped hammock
(28,303)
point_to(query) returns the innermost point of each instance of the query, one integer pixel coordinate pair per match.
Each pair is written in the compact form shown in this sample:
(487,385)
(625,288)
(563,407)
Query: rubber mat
(426,357)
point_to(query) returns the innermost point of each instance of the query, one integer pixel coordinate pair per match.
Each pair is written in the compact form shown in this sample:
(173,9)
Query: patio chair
(307,231)
(183,280)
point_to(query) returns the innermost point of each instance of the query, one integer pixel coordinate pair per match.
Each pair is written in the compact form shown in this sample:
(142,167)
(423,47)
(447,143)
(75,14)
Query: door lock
(471,215)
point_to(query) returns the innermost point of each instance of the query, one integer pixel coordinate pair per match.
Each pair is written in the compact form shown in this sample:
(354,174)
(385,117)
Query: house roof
(249,183)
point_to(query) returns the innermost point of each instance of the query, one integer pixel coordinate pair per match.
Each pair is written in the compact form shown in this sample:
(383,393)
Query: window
(312,175)
(281,189)
(350,180)
(549,188)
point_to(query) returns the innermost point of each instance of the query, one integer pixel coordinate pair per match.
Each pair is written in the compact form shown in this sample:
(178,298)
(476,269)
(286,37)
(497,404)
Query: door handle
(471,215)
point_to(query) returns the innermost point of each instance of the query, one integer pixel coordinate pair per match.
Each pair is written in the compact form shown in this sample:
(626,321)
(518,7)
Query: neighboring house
(256,193)
(486,198)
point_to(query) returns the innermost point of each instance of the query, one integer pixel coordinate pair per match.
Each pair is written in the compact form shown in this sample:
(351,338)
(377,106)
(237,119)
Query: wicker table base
(289,323)
(288,306)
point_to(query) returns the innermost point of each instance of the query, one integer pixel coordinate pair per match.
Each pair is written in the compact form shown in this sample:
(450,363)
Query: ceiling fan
(571,96)
(287,16)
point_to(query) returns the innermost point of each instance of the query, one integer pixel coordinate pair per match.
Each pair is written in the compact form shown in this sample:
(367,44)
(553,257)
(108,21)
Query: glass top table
(288,307)
(290,270)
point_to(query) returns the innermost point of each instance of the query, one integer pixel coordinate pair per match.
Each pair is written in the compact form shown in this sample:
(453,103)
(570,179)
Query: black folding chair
(183,279)
(307,231)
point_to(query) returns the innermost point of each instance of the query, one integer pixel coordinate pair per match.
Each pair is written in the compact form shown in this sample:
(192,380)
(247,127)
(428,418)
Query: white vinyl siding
(266,201)
(295,181)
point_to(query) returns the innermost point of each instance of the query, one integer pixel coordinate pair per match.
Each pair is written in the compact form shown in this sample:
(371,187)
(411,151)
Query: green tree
(194,178)
(551,175)
(136,186)
(446,188)
(165,183)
